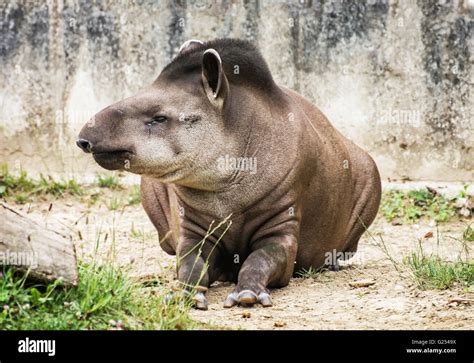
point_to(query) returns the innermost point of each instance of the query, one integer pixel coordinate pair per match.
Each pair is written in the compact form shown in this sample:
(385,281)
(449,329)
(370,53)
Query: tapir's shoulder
(311,117)
(298,101)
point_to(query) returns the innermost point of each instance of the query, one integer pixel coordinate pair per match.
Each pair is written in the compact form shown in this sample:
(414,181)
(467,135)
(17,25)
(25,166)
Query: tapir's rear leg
(367,192)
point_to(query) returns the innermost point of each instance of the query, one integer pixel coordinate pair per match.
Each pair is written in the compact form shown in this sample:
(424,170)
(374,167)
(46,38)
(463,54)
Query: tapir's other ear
(189,44)
(213,77)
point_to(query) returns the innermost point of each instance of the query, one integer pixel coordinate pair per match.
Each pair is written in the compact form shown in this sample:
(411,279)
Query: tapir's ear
(189,44)
(213,76)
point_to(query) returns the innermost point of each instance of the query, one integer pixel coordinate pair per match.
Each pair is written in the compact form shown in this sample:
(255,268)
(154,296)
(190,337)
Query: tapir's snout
(102,137)
(100,134)
(85,145)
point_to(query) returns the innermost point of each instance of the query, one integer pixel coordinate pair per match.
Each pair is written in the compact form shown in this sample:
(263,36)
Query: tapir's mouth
(113,160)
(111,153)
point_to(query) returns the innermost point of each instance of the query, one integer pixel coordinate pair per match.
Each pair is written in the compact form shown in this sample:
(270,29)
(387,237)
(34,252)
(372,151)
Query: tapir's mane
(241,60)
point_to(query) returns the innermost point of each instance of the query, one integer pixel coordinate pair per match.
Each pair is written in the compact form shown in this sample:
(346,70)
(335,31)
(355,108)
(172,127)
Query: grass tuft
(108,181)
(310,273)
(432,272)
(135,195)
(22,188)
(104,299)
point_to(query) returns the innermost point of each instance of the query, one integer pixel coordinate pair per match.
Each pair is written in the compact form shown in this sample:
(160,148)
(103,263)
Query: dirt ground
(324,302)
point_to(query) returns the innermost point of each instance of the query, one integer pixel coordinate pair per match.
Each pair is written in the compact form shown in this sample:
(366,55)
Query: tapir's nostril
(85,145)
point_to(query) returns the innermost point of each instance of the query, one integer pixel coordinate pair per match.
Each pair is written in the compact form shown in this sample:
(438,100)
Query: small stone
(460,202)
(279,324)
(112,322)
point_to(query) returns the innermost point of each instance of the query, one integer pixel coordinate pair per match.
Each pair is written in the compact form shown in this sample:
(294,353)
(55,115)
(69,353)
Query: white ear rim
(214,52)
(187,43)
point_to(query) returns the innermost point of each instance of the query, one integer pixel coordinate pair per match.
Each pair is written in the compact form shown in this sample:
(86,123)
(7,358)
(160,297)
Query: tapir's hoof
(231,300)
(247,298)
(265,299)
(200,301)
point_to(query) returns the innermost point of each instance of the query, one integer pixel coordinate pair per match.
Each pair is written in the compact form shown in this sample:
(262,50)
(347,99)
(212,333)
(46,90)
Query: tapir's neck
(265,154)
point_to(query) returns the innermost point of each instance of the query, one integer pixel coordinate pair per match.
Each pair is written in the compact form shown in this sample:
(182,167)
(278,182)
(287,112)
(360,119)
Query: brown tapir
(214,136)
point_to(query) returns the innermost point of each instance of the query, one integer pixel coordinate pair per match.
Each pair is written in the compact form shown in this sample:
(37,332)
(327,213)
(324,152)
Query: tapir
(245,180)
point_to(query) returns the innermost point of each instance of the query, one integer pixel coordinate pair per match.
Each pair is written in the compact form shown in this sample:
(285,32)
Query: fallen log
(26,245)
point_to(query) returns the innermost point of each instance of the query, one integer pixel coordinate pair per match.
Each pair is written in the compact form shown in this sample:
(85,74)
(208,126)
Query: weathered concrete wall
(396,77)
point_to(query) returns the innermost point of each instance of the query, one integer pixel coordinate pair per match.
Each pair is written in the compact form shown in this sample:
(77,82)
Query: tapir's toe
(247,298)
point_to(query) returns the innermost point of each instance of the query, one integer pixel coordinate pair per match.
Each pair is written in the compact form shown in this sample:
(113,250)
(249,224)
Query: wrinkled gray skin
(313,193)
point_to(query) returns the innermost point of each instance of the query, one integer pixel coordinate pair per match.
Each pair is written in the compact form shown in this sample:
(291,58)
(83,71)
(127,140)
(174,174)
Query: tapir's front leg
(269,265)
(196,264)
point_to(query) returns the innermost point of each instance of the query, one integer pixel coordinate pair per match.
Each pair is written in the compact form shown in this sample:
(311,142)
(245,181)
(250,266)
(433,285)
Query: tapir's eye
(156,120)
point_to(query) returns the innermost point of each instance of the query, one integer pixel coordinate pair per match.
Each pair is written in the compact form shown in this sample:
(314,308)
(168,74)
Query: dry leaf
(428,235)
(362,283)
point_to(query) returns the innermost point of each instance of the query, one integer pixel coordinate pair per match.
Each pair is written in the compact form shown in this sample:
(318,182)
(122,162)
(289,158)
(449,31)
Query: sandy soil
(325,302)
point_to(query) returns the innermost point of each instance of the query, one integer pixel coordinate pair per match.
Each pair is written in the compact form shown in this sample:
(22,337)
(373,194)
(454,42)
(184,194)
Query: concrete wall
(396,77)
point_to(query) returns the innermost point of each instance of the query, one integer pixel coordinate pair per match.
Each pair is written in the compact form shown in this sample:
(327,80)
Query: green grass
(48,185)
(310,273)
(104,299)
(108,181)
(23,188)
(120,201)
(411,206)
(114,203)
(468,234)
(135,196)
(430,271)
(318,274)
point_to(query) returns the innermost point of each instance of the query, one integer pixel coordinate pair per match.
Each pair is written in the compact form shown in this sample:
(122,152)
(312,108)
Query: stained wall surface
(394,76)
